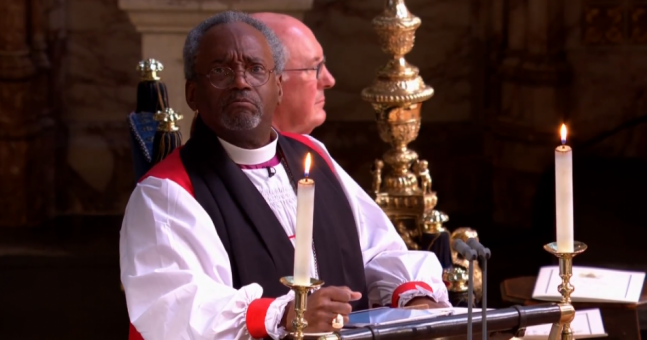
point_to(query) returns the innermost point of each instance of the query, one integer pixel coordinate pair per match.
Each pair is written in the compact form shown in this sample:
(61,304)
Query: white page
(591,285)
(586,324)
(463,310)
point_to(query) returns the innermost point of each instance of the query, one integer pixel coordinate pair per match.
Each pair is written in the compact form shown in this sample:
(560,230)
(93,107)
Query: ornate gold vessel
(404,190)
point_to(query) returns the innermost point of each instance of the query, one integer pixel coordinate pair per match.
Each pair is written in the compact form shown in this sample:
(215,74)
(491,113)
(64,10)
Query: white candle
(564,195)
(303,236)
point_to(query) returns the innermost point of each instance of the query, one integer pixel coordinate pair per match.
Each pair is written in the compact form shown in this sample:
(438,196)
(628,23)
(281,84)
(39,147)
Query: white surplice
(176,272)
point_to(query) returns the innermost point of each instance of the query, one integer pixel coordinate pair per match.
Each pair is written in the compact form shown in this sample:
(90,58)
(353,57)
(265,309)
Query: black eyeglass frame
(232,75)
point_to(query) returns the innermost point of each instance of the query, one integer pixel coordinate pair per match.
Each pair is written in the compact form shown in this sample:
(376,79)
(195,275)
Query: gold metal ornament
(168,119)
(148,69)
(404,190)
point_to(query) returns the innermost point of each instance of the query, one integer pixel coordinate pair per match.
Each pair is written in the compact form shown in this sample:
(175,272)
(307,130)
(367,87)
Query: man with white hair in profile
(305,77)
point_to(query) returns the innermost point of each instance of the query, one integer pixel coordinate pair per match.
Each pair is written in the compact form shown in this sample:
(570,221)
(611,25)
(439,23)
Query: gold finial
(396,96)
(433,222)
(167,119)
(148,69)
(398,82)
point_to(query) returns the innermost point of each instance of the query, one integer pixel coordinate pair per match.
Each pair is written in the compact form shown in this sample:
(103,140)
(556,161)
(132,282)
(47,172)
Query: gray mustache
(242,96)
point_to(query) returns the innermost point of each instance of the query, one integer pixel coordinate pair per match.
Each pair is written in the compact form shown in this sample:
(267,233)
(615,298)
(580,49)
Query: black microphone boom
(480,249)
(470,255)
(484,253)
(465,250)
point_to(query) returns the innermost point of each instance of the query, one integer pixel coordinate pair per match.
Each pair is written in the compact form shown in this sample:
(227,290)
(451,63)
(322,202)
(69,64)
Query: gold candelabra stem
(565,289)
(300,304)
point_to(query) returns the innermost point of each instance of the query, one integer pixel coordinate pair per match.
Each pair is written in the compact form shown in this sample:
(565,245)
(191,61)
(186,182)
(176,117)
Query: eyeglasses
(223,77)
(318,68)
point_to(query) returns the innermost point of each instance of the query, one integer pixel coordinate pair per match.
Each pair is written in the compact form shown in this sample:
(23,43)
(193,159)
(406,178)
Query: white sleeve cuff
(407,296)
(275,314)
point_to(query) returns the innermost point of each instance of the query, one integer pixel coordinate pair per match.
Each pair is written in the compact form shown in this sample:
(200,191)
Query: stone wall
(98,88)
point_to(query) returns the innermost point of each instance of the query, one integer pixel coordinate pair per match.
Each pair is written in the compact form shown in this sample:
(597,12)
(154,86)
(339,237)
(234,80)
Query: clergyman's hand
(323,307)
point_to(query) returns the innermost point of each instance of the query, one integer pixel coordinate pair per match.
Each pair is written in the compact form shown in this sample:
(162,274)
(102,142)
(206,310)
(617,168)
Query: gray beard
(242,122)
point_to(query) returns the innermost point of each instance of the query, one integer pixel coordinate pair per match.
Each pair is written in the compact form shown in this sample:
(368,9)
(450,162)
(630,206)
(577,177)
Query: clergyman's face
(234,105)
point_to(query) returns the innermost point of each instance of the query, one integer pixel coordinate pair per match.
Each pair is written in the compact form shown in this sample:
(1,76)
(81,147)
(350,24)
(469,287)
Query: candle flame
(307,165)
(563,132)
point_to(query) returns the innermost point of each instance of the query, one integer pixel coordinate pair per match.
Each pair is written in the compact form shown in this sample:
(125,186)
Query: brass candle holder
(300,303)
(565,289)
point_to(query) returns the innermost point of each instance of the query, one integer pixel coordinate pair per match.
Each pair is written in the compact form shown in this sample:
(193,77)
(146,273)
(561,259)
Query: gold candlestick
(565,289)
(300,303)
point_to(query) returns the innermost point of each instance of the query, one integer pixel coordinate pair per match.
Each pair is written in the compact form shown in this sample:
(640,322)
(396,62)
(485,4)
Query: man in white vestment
(209,231)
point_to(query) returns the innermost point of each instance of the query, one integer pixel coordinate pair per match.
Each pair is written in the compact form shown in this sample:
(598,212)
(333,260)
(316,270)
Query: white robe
(176,273)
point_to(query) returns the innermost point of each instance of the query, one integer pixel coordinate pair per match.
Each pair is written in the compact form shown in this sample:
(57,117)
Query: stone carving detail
(638,25)
(613,22)
(603,24)
(26,152)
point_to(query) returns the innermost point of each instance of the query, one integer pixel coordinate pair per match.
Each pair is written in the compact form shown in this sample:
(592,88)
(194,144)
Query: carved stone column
(26,149)
(164,25)
(532,104)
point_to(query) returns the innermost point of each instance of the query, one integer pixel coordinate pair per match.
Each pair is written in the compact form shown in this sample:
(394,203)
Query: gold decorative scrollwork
(603,24)
(638,25)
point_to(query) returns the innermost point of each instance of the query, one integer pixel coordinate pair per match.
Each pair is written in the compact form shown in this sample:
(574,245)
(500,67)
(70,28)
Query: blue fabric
(142,133)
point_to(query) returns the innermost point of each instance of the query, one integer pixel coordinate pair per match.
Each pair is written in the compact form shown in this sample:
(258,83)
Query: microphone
(465,250)
(470,255)
(480,249)
(485,254)
(271,171)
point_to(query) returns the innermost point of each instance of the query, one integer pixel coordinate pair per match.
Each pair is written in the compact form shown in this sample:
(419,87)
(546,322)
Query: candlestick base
(565,289)
(300,303)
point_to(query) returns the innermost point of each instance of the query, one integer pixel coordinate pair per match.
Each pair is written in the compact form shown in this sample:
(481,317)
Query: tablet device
(386,316)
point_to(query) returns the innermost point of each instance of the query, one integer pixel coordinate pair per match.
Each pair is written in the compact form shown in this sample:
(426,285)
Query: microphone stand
(485,254)
(470,255)
(484,300)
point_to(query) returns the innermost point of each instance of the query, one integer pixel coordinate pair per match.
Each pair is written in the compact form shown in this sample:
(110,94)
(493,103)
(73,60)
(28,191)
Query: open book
(591,285)
(587,324)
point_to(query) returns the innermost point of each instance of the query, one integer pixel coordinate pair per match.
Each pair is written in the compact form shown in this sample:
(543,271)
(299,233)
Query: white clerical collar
(251,156)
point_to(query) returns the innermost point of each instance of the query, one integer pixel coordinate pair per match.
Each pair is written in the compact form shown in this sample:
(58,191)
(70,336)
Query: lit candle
(564,195)
(305,212)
